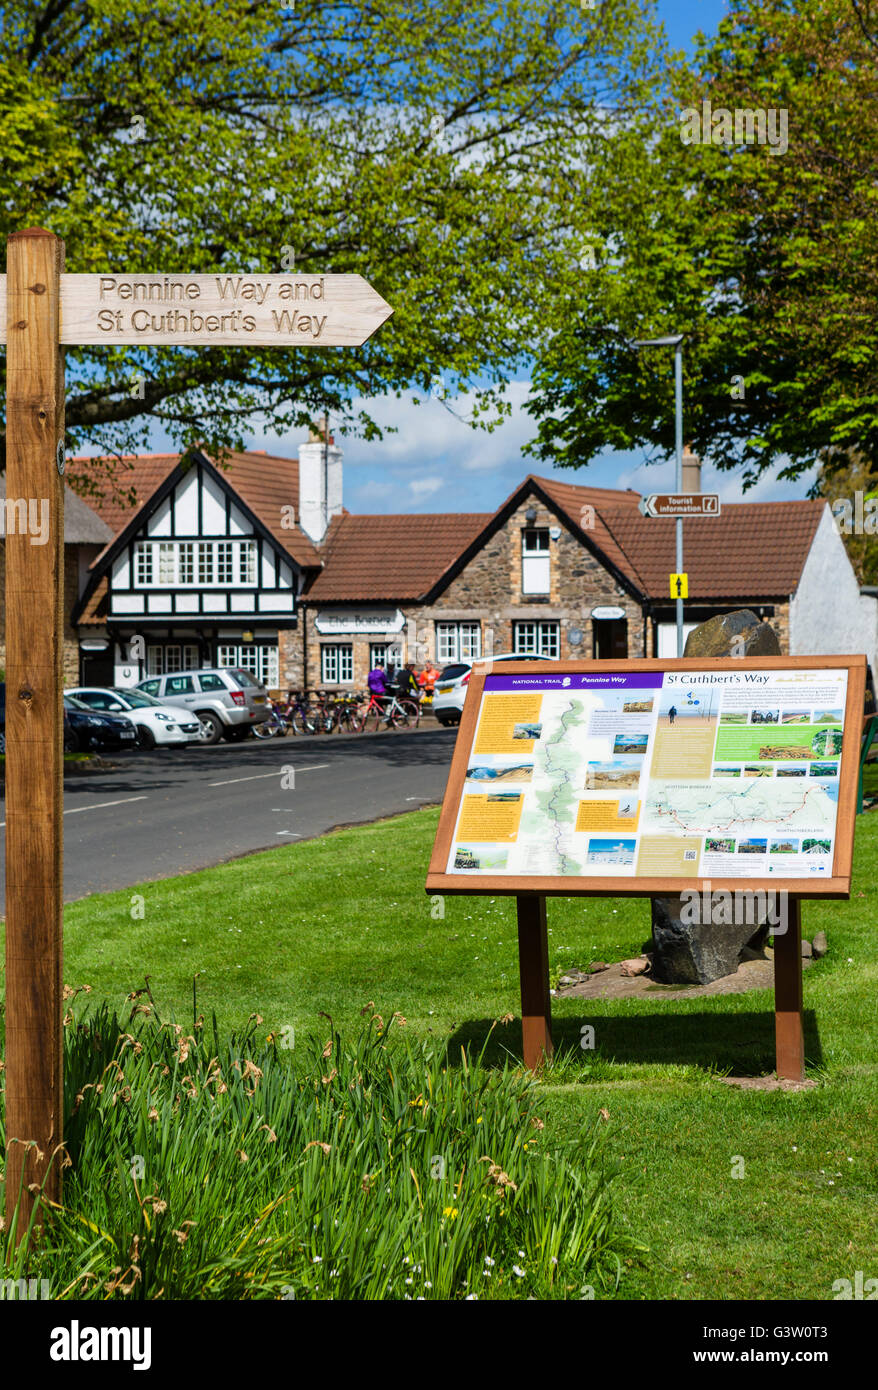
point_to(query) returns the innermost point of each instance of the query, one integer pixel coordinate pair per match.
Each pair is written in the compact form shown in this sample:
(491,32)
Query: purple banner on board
(635,680)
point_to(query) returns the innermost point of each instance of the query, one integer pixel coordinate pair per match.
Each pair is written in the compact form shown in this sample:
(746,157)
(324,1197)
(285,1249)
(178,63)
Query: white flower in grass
(317,1260)
(489,1261)
(470,1297)
(519,1273)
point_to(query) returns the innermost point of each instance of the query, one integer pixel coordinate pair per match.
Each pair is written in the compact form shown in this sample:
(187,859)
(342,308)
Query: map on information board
(653,774)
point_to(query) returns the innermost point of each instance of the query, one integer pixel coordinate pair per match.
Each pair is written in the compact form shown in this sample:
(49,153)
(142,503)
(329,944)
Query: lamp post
(675,341)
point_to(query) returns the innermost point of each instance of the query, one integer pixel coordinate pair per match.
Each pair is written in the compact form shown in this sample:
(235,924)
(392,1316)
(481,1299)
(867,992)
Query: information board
(654,776)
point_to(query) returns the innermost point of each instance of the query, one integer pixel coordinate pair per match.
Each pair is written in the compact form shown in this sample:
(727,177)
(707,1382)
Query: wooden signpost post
(600,778)
(41,309)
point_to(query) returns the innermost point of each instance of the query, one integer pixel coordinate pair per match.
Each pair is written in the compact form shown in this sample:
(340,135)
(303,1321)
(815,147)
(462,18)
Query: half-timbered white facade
(196,578)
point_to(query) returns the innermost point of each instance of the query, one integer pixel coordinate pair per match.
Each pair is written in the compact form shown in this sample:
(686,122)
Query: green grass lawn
(329,925)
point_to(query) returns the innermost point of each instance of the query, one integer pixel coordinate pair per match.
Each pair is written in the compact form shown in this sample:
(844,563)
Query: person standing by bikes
(427,680)
(407,682)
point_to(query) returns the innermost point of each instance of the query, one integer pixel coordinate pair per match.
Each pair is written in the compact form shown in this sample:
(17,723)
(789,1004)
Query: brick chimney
(320,481)
(691,471)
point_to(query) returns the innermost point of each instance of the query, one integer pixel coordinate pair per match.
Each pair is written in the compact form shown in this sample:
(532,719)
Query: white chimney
(691,471)
(320,494)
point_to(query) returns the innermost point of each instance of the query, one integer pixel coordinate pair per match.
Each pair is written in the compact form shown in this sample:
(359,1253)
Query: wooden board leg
(789,1032)
(533,965)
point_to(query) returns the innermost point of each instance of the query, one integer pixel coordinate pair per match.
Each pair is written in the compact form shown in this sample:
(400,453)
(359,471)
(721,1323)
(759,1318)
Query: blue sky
(683,18)
(436,463)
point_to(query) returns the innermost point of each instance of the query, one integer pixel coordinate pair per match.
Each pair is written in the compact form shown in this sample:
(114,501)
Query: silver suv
(227,700)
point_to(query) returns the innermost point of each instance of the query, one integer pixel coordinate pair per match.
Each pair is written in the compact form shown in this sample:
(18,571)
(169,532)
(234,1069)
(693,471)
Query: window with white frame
(171,656)
(337,664)
(536,639)
(224,563)
(172,564)
(535,572)
(377,654)
(167,563)
(205,562)
(260,659)
(247,563)
(186,555)
(143,563)
(458,642)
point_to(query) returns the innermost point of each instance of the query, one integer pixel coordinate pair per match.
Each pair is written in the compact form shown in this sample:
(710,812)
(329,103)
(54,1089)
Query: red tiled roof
(751,550)
(392,557)
(265,483)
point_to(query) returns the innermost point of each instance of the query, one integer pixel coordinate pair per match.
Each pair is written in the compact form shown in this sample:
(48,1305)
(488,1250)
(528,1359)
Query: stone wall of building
(490,588)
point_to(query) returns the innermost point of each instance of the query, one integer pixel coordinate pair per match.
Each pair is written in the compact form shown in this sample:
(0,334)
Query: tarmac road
(170,811)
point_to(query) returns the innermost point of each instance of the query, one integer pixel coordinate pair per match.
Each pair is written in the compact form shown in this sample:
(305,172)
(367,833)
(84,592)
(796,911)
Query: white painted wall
(828,614)
(667,637)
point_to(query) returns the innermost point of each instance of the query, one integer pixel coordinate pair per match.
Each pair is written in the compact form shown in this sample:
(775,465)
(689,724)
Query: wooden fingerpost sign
(728,784)
(34,721)
(42,308)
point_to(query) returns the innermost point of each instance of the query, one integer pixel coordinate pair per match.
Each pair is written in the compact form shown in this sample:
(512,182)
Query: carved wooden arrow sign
(293,310)
(680,504)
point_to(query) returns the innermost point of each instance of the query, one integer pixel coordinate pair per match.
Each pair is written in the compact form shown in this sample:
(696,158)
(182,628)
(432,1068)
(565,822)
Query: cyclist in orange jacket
(428,678)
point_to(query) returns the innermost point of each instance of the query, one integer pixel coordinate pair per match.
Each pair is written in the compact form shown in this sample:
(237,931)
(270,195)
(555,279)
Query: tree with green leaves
(762,250)
(427,149)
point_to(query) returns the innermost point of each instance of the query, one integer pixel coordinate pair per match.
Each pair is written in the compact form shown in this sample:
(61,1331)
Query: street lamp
(675,341)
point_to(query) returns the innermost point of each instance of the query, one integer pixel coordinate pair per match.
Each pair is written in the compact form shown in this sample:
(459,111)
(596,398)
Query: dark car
(85,728)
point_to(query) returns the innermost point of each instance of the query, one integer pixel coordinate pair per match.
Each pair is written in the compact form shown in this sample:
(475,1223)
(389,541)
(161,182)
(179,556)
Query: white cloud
(423,487)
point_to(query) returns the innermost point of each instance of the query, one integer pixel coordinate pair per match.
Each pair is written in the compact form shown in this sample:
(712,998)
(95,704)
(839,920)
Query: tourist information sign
(652,777)
(680,504)
(41,310)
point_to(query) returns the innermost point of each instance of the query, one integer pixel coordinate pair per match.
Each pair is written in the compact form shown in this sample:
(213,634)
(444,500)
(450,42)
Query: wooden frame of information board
(531,891)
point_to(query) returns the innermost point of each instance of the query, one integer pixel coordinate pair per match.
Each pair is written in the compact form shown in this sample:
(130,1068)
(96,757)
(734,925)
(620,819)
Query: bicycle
(274,726)
(349,717)
(397,711)
(297,714)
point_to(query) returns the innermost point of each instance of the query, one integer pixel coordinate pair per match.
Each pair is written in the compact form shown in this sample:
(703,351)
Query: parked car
(155,722)
(85,729)
(227,701)
(450,691)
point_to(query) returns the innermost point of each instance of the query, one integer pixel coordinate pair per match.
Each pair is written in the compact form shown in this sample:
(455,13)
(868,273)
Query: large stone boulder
(697,952)
(694,953)
(739,634)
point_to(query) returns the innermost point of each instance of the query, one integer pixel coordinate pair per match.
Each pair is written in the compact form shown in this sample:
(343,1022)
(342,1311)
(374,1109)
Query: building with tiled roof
(254,561)
(567,570)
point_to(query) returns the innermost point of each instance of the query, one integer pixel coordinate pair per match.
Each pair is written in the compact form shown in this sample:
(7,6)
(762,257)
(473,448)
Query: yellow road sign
(679,586)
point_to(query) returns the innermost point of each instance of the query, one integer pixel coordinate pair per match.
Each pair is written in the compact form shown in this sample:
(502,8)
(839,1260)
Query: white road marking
(291,833)
(259,776)
(99,806)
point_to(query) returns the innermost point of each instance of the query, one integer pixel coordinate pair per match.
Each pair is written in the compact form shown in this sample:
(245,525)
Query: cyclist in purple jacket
(377,682)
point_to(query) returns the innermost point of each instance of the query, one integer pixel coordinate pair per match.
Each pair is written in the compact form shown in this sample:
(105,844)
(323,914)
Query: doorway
(610,638)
